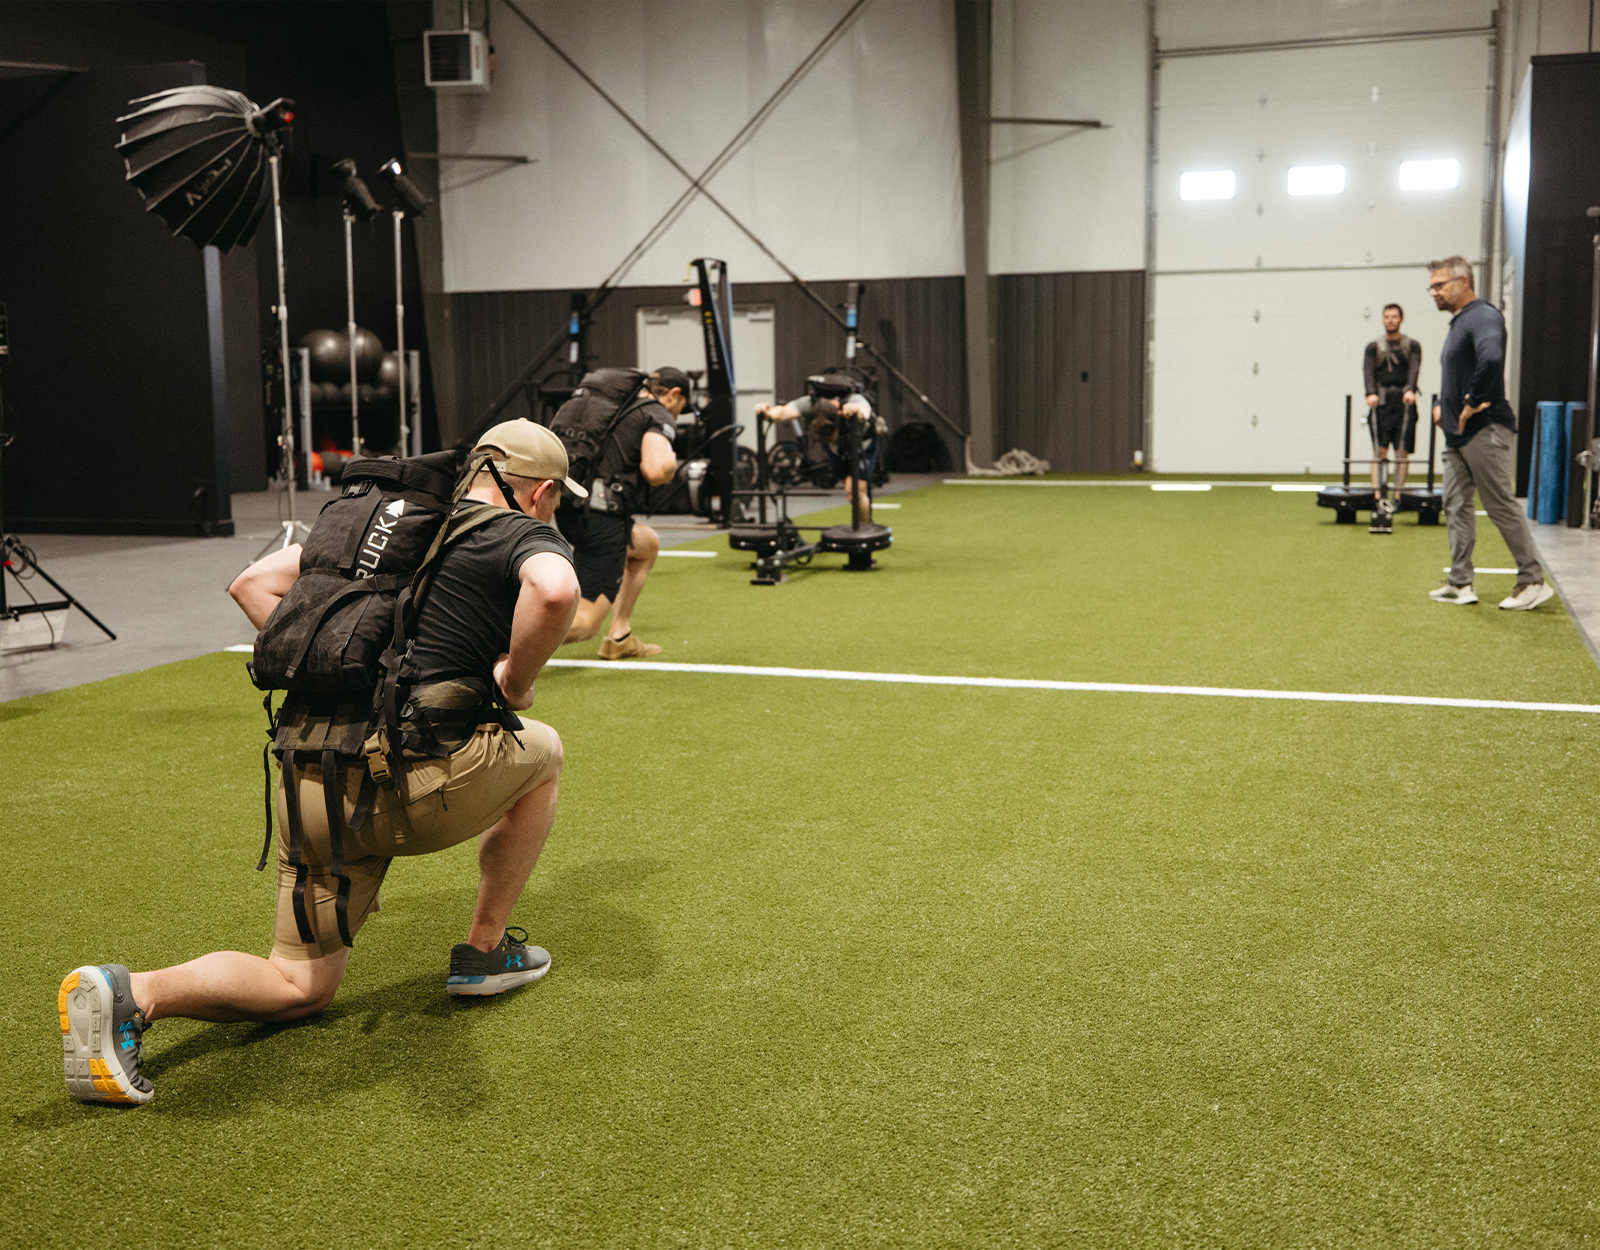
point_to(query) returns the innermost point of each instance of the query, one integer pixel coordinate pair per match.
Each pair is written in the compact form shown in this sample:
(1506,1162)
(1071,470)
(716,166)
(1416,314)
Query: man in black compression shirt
(1390,369)
(500,605)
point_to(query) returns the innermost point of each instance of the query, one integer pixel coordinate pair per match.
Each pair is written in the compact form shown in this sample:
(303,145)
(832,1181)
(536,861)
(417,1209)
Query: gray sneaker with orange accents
(102,1034)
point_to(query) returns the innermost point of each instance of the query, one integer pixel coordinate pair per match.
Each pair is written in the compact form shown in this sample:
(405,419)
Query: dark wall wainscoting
(1053,329)
(1068,359)
(915,322)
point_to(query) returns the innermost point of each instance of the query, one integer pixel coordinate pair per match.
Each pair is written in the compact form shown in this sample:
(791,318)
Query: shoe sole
(499,983)
(1544,597)
(89,1064)
(1460,603)
(632,655)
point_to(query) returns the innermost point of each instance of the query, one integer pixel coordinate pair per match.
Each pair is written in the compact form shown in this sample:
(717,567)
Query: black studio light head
(411,200)
(356,196)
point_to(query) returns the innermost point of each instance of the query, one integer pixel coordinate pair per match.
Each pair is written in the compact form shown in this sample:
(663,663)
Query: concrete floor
(166,598)
(1571,561)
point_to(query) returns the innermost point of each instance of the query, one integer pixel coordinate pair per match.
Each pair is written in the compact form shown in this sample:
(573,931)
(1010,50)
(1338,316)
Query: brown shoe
(627,648)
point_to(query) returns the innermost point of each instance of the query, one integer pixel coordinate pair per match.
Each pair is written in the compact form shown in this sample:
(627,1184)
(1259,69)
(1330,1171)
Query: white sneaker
(1453,594)
(1527,597)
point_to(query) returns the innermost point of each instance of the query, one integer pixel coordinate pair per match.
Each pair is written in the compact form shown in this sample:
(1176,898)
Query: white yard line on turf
(1447,569)
(1056,481)
(1092,687)
(246,648)
(688,555)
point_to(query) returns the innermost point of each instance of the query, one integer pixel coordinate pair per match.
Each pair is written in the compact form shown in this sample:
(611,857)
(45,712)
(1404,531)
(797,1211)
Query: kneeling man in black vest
(501,601)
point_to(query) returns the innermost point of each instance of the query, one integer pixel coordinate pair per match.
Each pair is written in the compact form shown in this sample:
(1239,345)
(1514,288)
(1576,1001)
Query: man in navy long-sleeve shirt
(1477,424)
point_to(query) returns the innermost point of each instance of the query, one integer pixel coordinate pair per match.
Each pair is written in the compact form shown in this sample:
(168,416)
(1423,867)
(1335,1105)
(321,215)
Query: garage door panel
(1265,302)
(1252,369)
(1320,110)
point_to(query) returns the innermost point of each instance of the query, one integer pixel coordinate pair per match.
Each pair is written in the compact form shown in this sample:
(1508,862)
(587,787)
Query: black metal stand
(16,559)
(294,529)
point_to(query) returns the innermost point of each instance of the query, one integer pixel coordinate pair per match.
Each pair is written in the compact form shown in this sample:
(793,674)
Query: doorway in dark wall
(334,58)
(109,388)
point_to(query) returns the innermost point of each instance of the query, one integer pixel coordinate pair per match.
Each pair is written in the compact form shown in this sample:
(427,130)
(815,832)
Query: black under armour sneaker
(102,1032)
(474,972)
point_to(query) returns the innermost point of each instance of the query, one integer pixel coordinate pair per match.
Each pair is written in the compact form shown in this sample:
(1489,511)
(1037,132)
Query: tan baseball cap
(526,449)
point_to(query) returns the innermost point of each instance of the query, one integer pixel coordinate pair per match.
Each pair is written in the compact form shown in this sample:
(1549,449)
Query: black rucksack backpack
(339,642)
(588,419)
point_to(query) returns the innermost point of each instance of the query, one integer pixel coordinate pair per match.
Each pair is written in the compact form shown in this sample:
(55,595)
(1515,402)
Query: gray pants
(1484,463)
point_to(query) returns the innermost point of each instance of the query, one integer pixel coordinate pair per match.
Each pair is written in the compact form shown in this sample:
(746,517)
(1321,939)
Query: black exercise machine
(1347,499)
(776,542)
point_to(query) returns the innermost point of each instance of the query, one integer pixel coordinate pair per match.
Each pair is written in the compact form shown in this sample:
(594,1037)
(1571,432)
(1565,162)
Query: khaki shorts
(447,801)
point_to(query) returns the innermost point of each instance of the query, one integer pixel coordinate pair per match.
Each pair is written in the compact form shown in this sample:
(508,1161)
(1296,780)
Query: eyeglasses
(1439,286)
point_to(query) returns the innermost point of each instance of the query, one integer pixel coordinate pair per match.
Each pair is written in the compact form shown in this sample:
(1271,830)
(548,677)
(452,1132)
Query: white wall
(1069,200)
(1264,303)
(856,175)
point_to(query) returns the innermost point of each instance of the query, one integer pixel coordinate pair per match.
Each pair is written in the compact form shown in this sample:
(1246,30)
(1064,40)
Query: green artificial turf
(841,964)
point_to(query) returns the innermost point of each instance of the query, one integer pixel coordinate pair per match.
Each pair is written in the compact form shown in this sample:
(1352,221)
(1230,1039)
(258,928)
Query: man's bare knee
(644,546)
(590,616)
(312,984)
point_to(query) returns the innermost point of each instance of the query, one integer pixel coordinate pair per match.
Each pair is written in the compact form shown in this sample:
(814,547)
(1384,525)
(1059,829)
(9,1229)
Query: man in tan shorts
(501,603)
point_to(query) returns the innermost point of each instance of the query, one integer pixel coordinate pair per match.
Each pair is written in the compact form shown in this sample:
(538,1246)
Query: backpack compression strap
(333,802)
(291,804)
(398,656)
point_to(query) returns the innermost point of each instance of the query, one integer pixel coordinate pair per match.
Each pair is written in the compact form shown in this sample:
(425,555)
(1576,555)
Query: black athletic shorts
(1394,425)
(599,548)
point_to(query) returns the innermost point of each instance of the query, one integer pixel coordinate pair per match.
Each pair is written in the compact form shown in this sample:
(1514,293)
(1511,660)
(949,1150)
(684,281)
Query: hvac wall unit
(456,60)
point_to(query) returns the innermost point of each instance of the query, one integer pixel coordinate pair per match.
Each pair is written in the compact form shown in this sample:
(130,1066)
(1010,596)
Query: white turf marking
(1447,569)
(1297,486)
(246,648)
(876,505)
(1092,687)
(1057,481)
(689,555)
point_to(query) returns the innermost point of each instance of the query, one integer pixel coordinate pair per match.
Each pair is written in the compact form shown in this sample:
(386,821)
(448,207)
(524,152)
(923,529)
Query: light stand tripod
(410,201)
(18,560)
(358,206)
(293,528)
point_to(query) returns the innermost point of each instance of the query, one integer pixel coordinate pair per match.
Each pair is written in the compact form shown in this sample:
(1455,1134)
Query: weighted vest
(586,422)
(340,642)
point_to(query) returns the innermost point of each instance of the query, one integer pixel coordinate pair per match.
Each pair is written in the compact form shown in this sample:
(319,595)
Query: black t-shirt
(618,460)
(465,622)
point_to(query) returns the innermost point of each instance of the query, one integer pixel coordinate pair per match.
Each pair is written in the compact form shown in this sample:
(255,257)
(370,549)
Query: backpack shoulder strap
(616,418)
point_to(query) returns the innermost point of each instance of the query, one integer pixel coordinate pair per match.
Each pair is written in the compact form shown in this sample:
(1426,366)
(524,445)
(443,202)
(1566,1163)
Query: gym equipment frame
(1426,501)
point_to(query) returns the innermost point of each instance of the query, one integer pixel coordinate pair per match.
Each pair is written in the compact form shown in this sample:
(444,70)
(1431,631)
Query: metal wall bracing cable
(828,309)
(735,144)
(600,294)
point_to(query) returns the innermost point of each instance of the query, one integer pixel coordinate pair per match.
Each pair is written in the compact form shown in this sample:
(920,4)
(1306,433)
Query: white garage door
(1264,299)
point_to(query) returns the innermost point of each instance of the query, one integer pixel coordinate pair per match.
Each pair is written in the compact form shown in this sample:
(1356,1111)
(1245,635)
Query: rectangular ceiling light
(1206,184)
(1429,175)
(1316,179)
